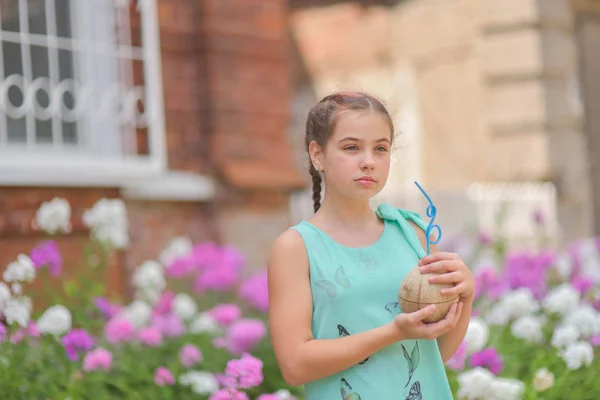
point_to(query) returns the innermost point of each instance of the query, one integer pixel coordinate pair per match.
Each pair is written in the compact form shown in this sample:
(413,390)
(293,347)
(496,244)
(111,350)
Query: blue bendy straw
(431,213)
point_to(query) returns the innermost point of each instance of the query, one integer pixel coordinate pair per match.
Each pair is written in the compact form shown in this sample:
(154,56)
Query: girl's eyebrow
(358,140)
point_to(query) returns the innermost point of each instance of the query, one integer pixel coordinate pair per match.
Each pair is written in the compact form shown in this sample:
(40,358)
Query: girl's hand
(411,325)
(451,269)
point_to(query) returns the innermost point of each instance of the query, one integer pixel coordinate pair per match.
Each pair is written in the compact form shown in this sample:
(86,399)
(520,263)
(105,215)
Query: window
(80,91)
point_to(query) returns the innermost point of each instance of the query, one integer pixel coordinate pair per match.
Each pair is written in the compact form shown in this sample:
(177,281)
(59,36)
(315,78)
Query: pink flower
(47,255)
(247,370)
(30,331)
(165,303)
(217,279)
(190,355)
(170,325)
(163,377)
(99,358)
(225,314)
(119,330)
(2,332)
(229,394)
(255,291)
(150,336)
(595,340)
(244,334)
(457,361)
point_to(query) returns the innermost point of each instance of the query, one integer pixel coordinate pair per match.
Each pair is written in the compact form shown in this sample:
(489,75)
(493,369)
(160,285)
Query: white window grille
(80,91)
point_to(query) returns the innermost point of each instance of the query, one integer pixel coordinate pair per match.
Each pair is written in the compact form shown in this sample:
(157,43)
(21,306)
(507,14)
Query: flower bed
(535,324)
(196,328)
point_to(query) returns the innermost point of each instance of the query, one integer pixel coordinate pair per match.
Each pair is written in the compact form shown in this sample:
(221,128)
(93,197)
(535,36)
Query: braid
(316,178)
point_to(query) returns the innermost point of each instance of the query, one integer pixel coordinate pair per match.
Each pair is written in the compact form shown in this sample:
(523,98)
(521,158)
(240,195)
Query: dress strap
(401,216)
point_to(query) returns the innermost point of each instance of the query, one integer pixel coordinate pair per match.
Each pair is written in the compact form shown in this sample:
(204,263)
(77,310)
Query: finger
(437,256)
(451,277)
(423,313)
(453,291)
(458,313)
(441,266)
(443,325)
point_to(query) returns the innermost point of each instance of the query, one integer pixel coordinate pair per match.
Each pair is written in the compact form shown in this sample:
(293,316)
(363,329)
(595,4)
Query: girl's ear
(316,155)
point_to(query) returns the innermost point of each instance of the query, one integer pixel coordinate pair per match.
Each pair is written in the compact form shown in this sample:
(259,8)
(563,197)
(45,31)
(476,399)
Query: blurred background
(193,113)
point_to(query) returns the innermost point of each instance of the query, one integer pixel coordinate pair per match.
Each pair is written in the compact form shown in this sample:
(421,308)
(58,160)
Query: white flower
(475,383)
(563,299)
(529,328)
(578,354)
(108,222)
(150,276)
(138,313)
(513,304)
(543,379)
(477,335)
(18,310)
(17,288)
(564,335)
(507,389)
(184,306)
(56,320)
(4,295)
(201,382)
(283,394)
(586,319)
(204,323)
(53,216)
(21,270)
(178,247)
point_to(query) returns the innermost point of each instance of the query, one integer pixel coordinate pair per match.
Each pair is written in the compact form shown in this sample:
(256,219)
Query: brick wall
(226,91)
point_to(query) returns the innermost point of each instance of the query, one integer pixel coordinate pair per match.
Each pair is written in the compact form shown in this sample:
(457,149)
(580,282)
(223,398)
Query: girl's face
(356,159)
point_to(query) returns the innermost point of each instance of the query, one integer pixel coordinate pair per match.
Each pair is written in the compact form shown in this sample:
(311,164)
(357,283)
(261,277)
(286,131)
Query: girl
(334,279)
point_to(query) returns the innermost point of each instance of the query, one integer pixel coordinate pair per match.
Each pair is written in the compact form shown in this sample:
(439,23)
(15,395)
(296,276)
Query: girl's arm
(302,358)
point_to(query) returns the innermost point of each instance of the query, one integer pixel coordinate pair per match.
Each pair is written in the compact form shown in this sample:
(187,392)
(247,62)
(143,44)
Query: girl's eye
(382,148)
(350,147)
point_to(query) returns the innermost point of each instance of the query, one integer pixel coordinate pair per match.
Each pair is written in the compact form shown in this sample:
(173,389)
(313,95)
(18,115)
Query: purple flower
(255,291)
(76,341)
(3,334)
(582,284)
(46,254)
(489,282)
(106,307)
(595,340)
(488,358)
(528,271)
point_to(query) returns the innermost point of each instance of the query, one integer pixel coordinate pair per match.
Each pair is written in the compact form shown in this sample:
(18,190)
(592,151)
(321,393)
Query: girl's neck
(346,213)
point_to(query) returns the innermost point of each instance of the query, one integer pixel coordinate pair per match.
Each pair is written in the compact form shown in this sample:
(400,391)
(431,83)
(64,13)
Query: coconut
(416,293)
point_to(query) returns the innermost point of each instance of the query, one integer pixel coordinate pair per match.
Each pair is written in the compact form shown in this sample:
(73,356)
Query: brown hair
(322,119)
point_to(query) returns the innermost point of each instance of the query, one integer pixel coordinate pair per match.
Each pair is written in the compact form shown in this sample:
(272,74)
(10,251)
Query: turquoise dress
(355,290)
